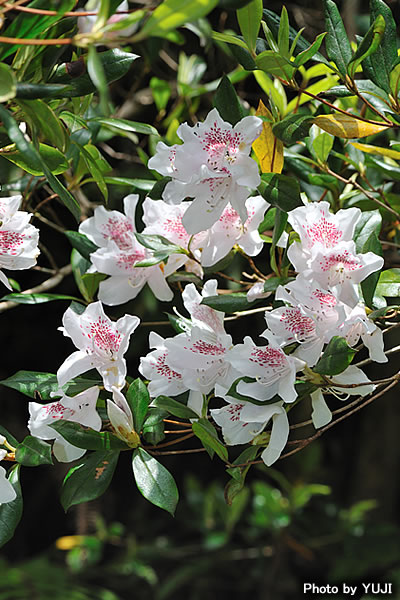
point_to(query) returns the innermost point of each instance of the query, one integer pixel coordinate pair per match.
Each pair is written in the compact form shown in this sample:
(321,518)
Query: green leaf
(280,191)
(46,122)
(272,284)
(158,243)
(116,63)
(369,44)
(158,188)
(91,282)
(86,438)
(8,83)
(281,218)
(293,128)
(171,14)
(381,63)
(389,283)
(125,125)
(227,102)
(321,143)
(82,243)
(174,407)
(153,427)
(32,452)
(79,266)
(249,19)
(154,482)
(369,284)
(369,222)
(139,400)
(336,357)
(161,91)
(89,479)
(11,512)
(36,298)
(304,56)
(229,39)
(208,436)
(53,158)
(229,303)
(283,33)
(31,382)
(32,156)
(274,64)
(337,43)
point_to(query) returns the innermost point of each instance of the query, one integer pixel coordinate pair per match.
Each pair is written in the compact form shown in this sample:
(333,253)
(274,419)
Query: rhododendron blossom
(212,166)
(87,23)
(241,422)
(7,492)
(79,409)
(229,230)
(18,239)
(121,418)
(101,345)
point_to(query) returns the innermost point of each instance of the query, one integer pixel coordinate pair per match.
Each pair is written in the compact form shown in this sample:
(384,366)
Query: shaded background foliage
(327,514)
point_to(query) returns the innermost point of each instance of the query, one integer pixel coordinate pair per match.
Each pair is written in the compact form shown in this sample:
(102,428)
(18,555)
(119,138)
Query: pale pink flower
(212,166)
(86,24)
(7,492)
(101,345)
(79,409)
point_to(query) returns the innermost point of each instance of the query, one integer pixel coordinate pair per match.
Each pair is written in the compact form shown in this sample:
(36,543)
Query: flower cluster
(18,239)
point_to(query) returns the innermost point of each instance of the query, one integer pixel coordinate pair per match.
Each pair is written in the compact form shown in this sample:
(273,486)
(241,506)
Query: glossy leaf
(293,128)
(153,427)
(174,407)
(274,64)
(379,65)
(171,14)
(23,298)
(369,44)
(337,43)
(154,482)
(306,55)
(369,284)
(370,149)
(31,382)
(370,222)
(89,479)
(227,102)
(267,148)
(32,452)
(46,122)
(229,303)
(389,283)
(82,243)
(11,512)
(8,83)
(53,158)
(280,191)
(336,357)
(87,438)
(249,19)
(139,400)
(207,434)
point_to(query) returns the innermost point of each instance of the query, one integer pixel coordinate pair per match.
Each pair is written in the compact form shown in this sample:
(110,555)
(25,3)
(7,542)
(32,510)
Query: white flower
(229,230)
(121,418)
(163,379)
(356,325)
(212,166)
(7,492)
(241,422)
(101,345)
(111,225)
(18,239)
(86,24)
(315,224)
(275,372)
(79,409)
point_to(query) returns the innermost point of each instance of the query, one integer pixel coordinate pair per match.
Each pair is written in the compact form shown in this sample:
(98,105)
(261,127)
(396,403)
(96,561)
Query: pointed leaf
(207,434)
(87,438)
(347,126)
(267,148)
(337,43)
(33,452)
(139,400)
(227,102)
(249,19)
(11,512)
(174,407)
(336,357)
(154,482)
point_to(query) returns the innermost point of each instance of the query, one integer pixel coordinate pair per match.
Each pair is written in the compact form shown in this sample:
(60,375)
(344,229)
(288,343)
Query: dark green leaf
(53,158)
(227,102)
(175,408)
(337,43)
(45,122)
(32,156)
(11,512)
(306,55)
(158,243)
(293,128)
(271,284)
(369,222)
(154,482)
(79,266)
(124,125)
(89,479)
(82,243)
(30,382)
(87,438)
(138,399)
(153,427)
(336,357)
(280,191)
(158,188)
(389,283)
(243,57)
(208,436)
(32,452)
(369,284)
(274,64)
(36,298)
(381,63)
(8,83)
(229,303)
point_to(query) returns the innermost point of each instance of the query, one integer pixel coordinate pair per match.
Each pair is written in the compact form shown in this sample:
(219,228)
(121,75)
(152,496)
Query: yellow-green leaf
(53,158)
(268,148)
(346,126)
(369,149)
